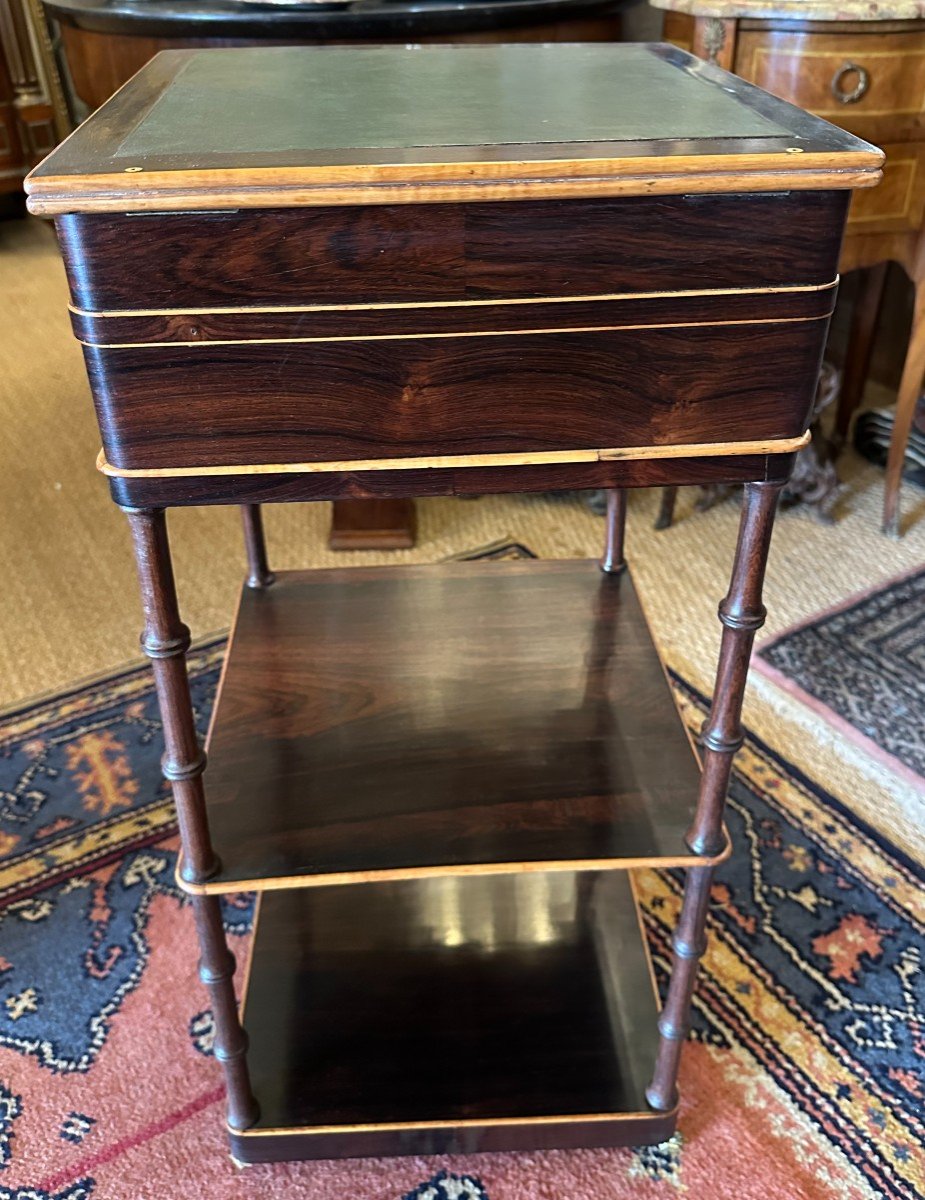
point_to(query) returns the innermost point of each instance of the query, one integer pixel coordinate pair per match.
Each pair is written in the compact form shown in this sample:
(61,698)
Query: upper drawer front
(872,84)
(441,252)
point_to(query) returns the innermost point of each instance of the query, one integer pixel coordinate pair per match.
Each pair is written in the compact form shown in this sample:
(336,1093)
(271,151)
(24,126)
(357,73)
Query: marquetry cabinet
(315,274)
(868,76)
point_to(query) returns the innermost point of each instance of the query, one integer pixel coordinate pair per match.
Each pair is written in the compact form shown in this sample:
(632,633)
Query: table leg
(910,388)
(613,560)
(165,641)
(373,525)
(216,970)
(741,614)
(259,574)
(688,945)
(666,508)
(860,346)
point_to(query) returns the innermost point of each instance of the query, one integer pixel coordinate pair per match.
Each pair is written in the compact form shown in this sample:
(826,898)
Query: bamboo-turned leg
(688,944)
(910,388)
(259,574)
(216,970)
(613,560)
(165,641)
(741,614)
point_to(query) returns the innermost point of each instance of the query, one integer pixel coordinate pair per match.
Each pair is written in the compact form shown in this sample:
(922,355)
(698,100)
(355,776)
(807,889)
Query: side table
(838,60)
(319,286)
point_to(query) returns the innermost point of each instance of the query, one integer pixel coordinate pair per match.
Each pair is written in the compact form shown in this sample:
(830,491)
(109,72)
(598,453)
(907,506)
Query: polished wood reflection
(450,1012)
(395,721)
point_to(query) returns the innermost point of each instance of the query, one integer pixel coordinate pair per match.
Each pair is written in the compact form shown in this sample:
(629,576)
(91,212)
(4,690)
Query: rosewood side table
(431,271)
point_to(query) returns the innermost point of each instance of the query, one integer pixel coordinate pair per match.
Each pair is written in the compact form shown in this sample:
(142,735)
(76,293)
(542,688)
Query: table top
(801,10)
(271,126)
(323,19)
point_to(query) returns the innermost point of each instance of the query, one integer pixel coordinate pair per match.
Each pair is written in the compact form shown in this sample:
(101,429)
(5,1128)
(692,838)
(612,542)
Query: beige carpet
(69,600)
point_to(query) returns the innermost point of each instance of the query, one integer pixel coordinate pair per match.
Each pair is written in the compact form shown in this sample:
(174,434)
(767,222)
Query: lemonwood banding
(476,1123)
(537,458)
(273,309)
(206,343)
(822,172)
(225,887)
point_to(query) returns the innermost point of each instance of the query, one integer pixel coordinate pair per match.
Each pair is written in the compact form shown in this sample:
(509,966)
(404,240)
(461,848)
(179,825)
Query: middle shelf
(462,718)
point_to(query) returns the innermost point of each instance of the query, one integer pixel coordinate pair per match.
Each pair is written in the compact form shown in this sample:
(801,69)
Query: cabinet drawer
(898,204)
(355,401)
(880,77)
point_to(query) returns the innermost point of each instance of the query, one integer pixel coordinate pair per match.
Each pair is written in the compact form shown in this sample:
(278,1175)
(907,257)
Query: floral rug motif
(862,665)
(804,1079)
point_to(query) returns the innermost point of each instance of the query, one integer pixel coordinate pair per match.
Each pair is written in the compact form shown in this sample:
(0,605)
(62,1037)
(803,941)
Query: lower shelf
(450,1014)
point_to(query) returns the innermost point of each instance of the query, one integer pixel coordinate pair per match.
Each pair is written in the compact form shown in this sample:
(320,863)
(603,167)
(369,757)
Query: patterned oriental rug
(805,1077)
(862,666)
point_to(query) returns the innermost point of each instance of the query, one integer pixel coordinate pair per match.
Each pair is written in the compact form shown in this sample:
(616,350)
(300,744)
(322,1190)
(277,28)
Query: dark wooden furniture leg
(742,615)
(373,525)
(165,641)
(614,560)
(259,574)
(216,970)
(688,945)
(860,346)
(666,508)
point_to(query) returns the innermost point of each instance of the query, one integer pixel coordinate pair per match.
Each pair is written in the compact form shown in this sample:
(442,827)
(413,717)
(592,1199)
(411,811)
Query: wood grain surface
(446,252)
(338,402)
(450,1014)
(465,318)
(460,717)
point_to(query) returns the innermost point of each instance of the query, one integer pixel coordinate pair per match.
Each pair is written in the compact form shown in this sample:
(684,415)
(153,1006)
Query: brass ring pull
(855,94)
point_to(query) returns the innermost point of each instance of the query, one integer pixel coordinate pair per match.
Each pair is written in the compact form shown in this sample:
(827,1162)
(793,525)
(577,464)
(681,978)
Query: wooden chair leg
(741,614)
(165,641)
(860,347)
(666,508)
(613,560)
(259,574)
(910,389)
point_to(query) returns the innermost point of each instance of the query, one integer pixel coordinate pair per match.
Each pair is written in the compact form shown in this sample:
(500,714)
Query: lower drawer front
(417,397)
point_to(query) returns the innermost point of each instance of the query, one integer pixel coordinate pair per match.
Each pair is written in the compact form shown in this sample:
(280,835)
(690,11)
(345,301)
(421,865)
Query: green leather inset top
(242,101)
